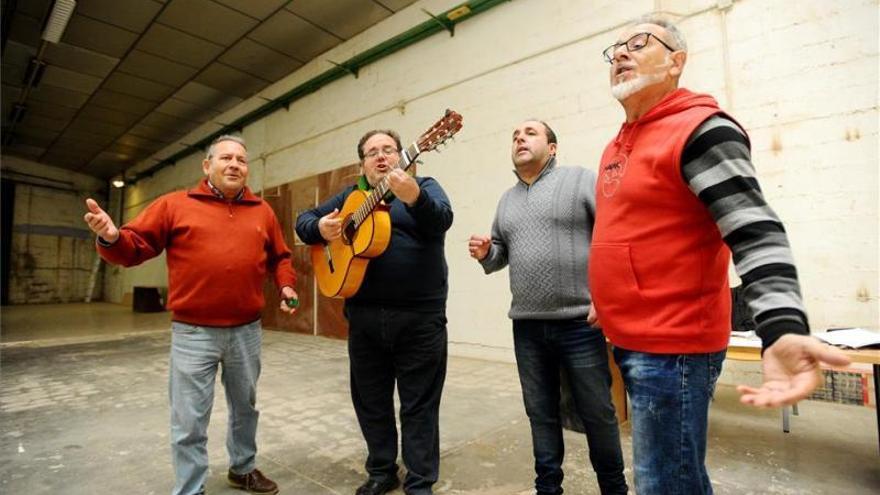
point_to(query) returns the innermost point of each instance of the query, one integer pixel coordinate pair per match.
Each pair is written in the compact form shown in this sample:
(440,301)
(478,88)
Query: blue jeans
(388,346)
(669,396)
(543,348)
(196,354)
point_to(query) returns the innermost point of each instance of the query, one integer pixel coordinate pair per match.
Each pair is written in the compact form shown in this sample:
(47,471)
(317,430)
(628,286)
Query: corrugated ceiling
(132,77)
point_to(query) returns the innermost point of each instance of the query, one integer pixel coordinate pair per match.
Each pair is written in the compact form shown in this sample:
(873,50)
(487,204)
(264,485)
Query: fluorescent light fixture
(118,183)
(58,19)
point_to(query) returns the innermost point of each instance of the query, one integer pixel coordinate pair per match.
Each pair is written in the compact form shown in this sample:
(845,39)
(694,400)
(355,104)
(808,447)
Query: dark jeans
(670,395)
(388,345)
(543,347)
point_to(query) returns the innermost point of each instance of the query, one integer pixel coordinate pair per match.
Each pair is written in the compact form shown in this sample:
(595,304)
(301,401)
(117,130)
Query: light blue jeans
(196,353)
(669,395)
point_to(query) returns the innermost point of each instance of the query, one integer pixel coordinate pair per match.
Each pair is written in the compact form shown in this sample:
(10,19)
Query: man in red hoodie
(220,242)
(676,195)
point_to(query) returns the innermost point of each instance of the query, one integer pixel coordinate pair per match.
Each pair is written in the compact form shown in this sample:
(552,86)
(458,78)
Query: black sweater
(412,272)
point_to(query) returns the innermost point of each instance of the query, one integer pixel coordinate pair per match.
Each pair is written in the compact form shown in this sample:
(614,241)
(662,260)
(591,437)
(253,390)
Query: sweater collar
(218,193)
(548,167)
(207,190)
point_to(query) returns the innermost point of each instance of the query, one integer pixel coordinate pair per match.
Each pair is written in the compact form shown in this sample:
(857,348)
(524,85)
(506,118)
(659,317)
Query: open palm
(791,371)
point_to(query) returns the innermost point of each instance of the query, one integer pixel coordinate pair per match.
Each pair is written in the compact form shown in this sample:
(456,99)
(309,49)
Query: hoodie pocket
(613,282)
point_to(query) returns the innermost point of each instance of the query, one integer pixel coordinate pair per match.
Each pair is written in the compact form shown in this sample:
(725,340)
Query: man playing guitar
(397,317)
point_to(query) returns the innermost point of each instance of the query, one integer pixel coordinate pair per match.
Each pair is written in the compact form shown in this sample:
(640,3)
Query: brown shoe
(252,482)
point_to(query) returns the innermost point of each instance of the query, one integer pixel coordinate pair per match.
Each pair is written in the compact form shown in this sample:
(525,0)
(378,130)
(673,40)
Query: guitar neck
(407,159)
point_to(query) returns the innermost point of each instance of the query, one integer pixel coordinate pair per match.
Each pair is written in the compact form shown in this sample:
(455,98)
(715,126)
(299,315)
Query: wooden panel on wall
(331,321)
(287,201)
(283,200)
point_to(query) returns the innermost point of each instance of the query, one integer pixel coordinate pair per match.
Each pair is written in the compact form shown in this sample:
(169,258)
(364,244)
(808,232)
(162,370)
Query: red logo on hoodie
(612,174)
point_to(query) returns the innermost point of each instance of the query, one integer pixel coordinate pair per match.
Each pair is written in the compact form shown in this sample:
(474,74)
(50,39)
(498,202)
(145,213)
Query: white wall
(803,80)
(52,251)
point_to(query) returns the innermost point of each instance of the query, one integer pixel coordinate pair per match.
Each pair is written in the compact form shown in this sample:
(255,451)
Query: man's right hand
(100,223)
(330,225)
(478,246)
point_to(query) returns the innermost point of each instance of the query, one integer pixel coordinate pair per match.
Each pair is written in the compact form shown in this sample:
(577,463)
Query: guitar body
(340,265)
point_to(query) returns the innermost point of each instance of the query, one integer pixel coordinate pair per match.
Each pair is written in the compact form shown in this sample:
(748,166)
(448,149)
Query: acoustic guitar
(340,264)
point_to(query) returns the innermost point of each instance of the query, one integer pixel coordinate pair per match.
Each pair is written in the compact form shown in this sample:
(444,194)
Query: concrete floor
(83,410)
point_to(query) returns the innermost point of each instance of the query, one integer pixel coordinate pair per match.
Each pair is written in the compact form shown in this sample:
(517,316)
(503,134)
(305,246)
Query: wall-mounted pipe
(441,22)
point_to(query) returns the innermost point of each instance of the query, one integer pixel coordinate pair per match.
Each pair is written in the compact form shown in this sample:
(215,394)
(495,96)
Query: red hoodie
(658,264)
(218,253)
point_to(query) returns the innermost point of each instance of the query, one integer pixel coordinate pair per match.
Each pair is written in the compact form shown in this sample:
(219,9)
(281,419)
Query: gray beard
(624,90)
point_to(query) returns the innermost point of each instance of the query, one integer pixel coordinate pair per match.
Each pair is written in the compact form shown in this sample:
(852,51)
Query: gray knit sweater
(543,232)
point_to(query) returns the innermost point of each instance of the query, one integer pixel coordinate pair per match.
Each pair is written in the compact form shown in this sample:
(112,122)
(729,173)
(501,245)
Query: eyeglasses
(634,44)
(387,151)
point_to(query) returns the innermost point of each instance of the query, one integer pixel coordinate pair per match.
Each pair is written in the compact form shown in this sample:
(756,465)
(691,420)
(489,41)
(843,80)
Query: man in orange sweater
(220,242)
(676,195)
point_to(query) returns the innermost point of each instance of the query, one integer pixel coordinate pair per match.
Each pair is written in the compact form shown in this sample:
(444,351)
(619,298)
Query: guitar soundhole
(348,230)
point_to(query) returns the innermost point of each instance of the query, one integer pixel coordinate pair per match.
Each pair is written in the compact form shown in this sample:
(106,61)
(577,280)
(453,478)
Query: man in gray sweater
(542,229)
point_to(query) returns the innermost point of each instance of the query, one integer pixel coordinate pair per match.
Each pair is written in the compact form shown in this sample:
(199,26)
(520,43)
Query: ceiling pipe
(56,23)
(445,21)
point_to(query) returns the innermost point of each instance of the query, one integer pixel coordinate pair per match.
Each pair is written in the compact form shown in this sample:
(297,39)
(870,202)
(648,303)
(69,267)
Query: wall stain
(853,135)
(776,144)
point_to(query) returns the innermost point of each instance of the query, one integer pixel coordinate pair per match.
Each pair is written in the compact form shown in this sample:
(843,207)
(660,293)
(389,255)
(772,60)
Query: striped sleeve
(717,167)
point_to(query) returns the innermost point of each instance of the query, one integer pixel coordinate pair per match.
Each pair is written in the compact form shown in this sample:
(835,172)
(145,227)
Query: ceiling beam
(445,21)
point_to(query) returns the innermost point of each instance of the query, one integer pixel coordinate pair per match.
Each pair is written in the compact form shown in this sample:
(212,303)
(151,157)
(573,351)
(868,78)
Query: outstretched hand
(99,222)
(791,371)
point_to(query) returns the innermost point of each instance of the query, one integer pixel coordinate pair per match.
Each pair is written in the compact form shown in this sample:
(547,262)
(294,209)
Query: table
(869,356)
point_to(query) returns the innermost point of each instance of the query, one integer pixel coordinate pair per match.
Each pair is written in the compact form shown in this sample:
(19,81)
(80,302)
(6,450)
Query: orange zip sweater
(218,252)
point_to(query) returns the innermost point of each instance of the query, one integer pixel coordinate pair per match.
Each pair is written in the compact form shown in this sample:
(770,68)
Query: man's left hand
(791,371)
(287,293)
(593,317)
(403,186)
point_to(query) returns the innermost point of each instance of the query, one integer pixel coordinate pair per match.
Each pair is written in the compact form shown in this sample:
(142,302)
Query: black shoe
(374,487)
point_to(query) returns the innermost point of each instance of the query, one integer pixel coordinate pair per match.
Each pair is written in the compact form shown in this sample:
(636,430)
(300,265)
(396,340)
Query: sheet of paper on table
(854,338)
(744,339)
